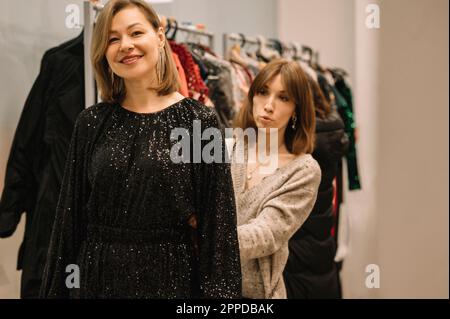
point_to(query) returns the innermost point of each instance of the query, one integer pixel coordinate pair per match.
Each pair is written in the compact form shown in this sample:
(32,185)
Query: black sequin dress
(124,205)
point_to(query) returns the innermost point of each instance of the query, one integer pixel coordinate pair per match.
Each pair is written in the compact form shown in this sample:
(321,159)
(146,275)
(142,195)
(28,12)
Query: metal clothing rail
(209,35)
(230,37)
(233,37)
(172,25)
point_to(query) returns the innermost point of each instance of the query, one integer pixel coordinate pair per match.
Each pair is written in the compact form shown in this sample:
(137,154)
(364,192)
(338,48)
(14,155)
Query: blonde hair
(111,87)
(300,139)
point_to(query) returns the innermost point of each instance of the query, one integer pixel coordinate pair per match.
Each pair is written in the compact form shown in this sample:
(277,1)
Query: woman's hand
(192,221)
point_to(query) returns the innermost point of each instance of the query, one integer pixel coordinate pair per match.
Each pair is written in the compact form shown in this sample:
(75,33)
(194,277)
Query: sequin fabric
(124,205)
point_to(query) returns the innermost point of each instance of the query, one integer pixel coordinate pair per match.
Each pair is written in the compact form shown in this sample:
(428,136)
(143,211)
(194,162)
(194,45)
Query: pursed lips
(265,118)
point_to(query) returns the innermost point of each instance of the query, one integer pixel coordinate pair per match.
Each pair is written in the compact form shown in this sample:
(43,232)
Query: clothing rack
(194,31)
(230,37)
(233,37)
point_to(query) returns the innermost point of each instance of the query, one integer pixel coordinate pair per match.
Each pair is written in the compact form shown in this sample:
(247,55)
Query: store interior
(398,220)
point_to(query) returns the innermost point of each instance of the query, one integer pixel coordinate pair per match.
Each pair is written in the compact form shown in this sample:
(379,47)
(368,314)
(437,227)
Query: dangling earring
(111,73)
(160,67)
(294,121)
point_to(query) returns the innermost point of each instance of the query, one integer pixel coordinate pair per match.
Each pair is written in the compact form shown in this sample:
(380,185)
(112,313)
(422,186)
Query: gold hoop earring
(294,121)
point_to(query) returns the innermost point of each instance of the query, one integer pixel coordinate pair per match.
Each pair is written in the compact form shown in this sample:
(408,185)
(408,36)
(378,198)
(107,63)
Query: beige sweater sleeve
(281,215)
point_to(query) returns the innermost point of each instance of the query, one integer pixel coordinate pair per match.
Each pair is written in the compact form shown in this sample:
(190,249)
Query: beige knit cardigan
(268,214)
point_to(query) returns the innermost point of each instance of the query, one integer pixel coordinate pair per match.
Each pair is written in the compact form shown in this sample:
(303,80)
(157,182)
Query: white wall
(324,25)
(413,153)
(399,220)
(360,207)
(250,17)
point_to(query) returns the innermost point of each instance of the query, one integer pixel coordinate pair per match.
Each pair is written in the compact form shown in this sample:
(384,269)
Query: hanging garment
(38,153)
(196,86)
(344,101)
(242,82)
(218,81)
(220,84)
(307,68)
(198,61)
(237,55)
(182,76)
(325,86)
(124,206)
(311,271)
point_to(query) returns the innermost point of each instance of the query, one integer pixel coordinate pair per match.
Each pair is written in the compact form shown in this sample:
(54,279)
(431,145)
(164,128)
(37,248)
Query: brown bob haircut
(301,139)
(114,91)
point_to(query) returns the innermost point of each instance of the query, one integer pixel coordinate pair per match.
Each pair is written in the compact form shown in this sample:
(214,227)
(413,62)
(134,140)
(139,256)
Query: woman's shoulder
(309,164)
(94,114)
(96,110)
(88,120)
(202,113)
(305,167)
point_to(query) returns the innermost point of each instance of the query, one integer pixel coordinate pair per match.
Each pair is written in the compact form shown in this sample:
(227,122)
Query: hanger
(297,48)
(190,37)
(287,50)
(294,46)
(243,40)
(309,51)
(293,50)
(171,23)
(338,72)
(278,46)
(168,27)
(263,51)
(235,51)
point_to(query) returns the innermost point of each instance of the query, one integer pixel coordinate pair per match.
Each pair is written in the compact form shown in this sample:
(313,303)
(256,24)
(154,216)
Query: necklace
(250,174)
(258,164)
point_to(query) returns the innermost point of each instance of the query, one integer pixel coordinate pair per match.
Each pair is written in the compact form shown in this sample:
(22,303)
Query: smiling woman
(129,46)
(137,224)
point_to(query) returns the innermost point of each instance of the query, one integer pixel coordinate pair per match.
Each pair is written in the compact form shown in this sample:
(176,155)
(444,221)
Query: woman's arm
(219,264)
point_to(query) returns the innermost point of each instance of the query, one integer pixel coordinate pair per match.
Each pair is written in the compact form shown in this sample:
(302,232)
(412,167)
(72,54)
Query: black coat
(36,161)
(310,271)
